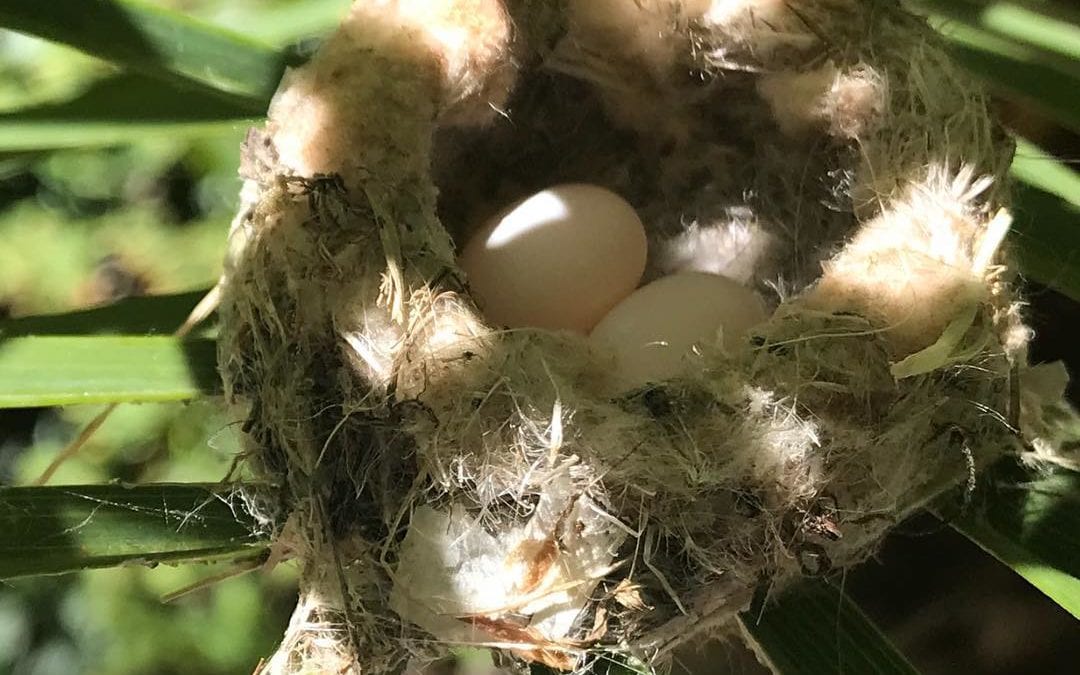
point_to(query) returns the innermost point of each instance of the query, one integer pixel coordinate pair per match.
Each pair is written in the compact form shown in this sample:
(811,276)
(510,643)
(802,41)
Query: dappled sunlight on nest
(919,265)
(449,482)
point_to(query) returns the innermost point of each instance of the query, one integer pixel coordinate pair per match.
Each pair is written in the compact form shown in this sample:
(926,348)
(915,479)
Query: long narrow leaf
(287,23)
(119,109)
(1032,60)
(1051,28)
(156,42)
(47,371)
(1005,68)
(1046,231)
(52,530)
(814,628)
(160,314)
(1032,524)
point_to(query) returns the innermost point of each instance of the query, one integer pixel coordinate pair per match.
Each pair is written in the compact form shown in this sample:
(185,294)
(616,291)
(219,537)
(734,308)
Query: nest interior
(444,481)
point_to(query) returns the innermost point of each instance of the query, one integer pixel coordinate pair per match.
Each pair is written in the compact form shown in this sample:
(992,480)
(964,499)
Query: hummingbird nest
(447,482)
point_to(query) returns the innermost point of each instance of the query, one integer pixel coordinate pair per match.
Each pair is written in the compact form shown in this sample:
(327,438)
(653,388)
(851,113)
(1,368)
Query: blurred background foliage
(86,226)
(118,215)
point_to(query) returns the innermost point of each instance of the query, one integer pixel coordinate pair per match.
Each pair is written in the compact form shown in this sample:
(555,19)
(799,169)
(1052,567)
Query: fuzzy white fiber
(445,481)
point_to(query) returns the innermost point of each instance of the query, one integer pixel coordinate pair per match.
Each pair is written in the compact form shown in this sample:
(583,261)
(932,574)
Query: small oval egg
(652,331)
(559,259)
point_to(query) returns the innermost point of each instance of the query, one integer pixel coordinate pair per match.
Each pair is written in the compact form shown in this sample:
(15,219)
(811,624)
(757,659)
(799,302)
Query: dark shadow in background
(947,604)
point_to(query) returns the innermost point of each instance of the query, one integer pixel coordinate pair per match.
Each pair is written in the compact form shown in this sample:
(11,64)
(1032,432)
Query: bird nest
(448,482)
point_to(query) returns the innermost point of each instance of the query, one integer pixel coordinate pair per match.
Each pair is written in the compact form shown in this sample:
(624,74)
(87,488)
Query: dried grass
(825,152)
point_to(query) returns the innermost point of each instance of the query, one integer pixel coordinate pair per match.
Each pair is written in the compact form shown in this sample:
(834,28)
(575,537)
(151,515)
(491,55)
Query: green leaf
(814,628)
(156,42)
(1006,68)
(120,109)
(1051,28)
(133,316)
(1019,49)
(53,530)
(1046,230)
(1031,523)
(43,371)
(295,21)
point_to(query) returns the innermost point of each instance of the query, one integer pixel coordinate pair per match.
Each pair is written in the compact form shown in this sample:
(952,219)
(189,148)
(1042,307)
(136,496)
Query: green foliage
(149,201)
(79,242)
(1046,232)
(814,628)
(119,109)
(157,42)
(52,530)
(136,315)
(39,371)
(114,622)
(1031,522)
(1024,49)
(1029,50)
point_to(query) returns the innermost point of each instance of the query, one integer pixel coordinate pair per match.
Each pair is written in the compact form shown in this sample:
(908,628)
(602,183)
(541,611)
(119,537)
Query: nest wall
(825,152)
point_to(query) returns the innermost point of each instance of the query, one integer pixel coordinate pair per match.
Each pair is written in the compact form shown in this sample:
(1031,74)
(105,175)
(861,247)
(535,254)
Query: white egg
(652,332)
(560,259)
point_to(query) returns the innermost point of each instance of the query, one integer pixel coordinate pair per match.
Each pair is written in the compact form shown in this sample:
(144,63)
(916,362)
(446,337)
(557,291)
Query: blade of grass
(295,21)
(133,316)
(1054,28)
(1046,230)
(41,371)
(142,314)
(156,42)
(814,628)
(119,109)
(1031,523)
(1051,28)
(1061,587)
(53,530)
(1006,69)
(1016,63)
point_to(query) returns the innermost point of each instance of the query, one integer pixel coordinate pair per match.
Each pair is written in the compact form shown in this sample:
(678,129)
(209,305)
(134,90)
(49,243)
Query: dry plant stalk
(445,482)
